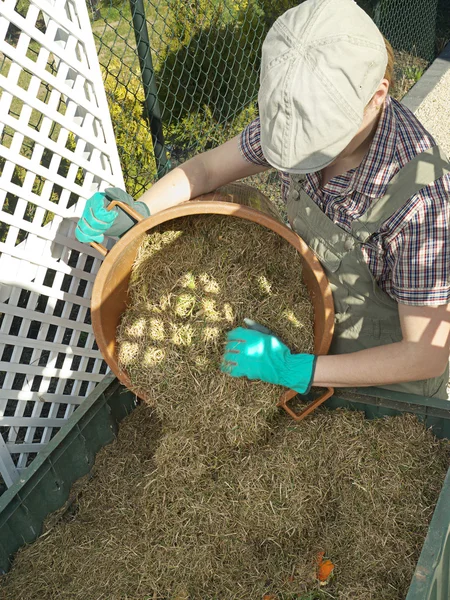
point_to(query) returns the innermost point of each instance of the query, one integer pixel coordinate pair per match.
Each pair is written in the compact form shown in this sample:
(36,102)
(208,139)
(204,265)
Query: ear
(379,97)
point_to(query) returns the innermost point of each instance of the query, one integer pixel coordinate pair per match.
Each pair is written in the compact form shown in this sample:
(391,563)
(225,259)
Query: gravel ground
(434,113)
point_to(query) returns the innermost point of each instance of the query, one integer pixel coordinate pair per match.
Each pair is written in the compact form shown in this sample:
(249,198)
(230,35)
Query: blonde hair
(389,73)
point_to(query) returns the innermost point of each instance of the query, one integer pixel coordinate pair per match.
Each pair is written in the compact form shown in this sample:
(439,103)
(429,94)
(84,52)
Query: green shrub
(212,61)
(195,132)
(272,9)
(125,99)
(208,80)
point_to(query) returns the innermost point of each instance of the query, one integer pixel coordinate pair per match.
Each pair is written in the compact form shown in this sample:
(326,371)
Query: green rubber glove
(257,355)
(96,221)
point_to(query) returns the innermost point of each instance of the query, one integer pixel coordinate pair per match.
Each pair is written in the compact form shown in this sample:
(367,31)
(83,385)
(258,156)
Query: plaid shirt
(409,255)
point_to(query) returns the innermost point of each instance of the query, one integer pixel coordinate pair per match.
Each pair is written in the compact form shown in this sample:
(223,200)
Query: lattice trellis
(57,147)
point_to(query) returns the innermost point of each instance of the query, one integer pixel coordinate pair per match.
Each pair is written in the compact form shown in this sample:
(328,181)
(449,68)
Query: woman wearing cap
(366,187)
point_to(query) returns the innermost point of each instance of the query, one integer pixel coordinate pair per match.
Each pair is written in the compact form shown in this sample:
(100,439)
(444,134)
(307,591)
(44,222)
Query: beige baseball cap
(322,62)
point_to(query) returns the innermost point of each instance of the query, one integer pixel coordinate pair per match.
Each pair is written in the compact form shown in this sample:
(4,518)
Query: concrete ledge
(417,94)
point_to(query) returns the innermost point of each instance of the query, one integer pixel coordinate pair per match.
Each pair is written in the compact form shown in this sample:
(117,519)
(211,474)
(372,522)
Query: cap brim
(315,160)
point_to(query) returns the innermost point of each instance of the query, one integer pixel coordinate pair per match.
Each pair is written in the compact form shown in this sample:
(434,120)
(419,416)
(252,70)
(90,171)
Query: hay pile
(210,492)
(194,280)
(361,490)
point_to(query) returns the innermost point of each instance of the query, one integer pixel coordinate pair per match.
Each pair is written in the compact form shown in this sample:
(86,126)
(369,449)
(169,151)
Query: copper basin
(110,292)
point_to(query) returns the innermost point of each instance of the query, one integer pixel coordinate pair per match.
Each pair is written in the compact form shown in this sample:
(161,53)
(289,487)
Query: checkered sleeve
(250,144)
(420,253)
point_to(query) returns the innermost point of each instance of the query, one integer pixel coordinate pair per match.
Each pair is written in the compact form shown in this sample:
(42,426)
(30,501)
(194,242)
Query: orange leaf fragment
(269,597)
(324,567)
(325,570)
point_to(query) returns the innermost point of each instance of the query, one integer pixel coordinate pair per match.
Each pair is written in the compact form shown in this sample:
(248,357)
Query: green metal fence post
(148,81)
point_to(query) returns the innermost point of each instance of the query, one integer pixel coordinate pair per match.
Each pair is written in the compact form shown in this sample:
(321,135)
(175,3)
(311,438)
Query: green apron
(365,315)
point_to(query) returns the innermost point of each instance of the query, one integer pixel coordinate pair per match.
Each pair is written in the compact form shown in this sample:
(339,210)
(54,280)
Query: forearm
(179,185)
(199,175)
(382,365)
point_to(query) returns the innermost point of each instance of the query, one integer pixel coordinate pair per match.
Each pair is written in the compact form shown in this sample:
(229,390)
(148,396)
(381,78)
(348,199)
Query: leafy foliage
(191,134)
(125,96)
(212,60)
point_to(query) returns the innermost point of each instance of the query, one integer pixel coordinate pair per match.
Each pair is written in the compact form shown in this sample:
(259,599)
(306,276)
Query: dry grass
(269,184)
(361,490)
(408,69)
(210,493)
(194,280)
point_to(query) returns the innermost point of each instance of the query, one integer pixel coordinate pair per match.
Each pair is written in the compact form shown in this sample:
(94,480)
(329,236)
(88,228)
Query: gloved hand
(255,354)
(96,221)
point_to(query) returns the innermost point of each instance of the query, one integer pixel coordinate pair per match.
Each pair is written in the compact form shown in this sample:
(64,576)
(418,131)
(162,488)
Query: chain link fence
(181,76)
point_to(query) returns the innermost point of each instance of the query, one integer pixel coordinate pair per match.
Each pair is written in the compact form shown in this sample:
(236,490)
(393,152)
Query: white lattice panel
(57,147)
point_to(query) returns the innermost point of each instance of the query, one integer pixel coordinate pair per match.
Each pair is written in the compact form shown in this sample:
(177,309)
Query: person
(366,187)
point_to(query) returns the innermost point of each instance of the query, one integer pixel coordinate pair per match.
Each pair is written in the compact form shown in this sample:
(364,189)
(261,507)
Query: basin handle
(289,394)
(129,210)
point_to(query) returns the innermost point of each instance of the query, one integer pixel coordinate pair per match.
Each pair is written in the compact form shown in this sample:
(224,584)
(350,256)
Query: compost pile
(210,492)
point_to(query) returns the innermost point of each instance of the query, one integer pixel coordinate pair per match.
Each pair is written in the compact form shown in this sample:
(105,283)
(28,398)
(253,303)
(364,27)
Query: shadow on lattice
(27,147)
